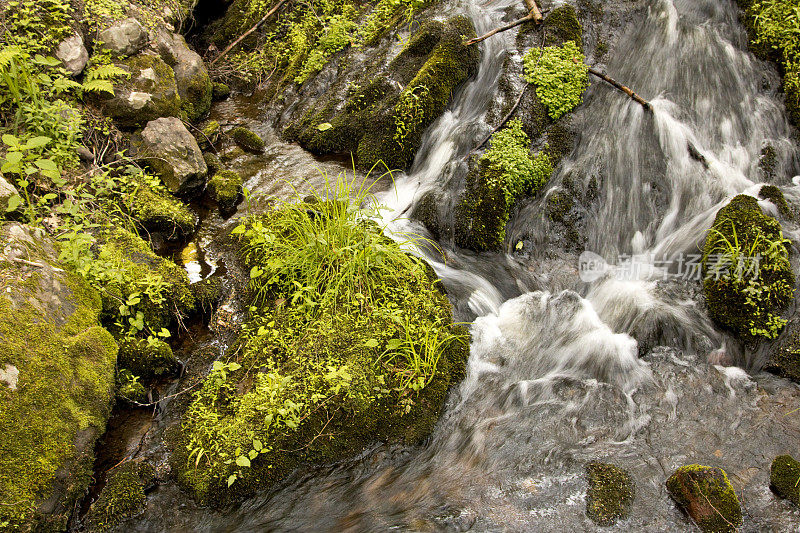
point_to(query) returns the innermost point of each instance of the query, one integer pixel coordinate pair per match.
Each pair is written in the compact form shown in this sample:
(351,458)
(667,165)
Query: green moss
(196,96)
(212,162)
(159,211)
(707,496)
(601,49)
(559,204)
(49,332)
(246,139)
(122,498)
(505,172)
(784,478)
(209,135)
(225,188)
(129,388)
(562,25)
(767,161)
(220,91)
(774,195)
(321,370)
(784,358)
(744,294)
(610,494)
(147,358)
(207,293)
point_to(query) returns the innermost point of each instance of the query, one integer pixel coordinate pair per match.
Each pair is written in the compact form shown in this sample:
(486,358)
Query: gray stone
(7,191)
(10,376)
(73,54)
(191,75)
(169,148)
(125,37)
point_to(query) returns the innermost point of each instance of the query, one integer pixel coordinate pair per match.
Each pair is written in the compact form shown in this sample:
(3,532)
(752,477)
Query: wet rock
(225,188)
(219,91)
(61,363)
(212,162)
(784,359)
(7,191)
(124,38)
(147,358)
(191,75)
(122,497)
(148,94)
(774,195)
(157,211)
(173,153)
(73,54)
(208,135)
(610,494)
(706,495)
(784,478)
(208,293)
(247,140)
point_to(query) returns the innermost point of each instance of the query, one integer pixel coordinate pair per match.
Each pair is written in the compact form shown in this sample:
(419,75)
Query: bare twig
(33,264)
(534,15)
(248,32)
(635,97)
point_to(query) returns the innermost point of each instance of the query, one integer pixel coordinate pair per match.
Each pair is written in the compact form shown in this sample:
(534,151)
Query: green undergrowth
(504,173)
(348,342)
(748,280)
(560,76)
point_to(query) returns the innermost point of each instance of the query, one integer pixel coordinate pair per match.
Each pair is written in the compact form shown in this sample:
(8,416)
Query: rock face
(706,495)
(191,75)
(784,478)
(784,359)
(610,493)
(73,54)
(55,397)
(125,37)
(7,191)
(173,153)
(150,93)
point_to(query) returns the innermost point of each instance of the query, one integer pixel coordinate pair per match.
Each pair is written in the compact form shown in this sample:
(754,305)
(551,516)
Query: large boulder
(706,495)
(73,54)
(124,38)
(191,75)
(173,153)
(56,393)
(148,94)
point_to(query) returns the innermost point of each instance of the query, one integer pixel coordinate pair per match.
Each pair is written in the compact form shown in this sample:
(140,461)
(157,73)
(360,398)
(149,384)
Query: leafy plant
(560,76)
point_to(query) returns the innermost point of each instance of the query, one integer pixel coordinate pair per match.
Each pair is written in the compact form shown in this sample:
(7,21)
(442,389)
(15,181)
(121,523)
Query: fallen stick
(248,32)
(534,15)
(622,88)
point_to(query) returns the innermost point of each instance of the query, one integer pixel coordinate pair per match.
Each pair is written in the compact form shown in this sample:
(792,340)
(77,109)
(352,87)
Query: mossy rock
(226,189)
(209,135)
(784,356)
(149,93)
(122,497)
(247,140)
(774,195)
(147,358)
(158,211)
(212,162)
(784,478)
(56,389)
(610,494)
(747,305)
(134,257)
(253,427)
(130,389)
(483,212)
(562,25)
(383,122)
(707,496)
(207,293)
(219,91)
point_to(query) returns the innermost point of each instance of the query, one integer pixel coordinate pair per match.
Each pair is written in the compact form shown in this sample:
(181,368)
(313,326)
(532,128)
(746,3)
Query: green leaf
(14,202)
(325,126)
(10,140)
(257,445)
(46,164)
(393,344)
(232,479)
(242,461)
(372,343)
(252,454)
(234,366)
(238,229)
(37,142)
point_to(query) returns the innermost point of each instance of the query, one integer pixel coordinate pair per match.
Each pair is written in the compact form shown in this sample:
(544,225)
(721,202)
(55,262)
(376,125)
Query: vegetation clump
(147,358)
(226,188)
(560,76)
(348,342)
(784,478)
(748,280)
(707,496)
(122,497)
(610,494)
(247,140)
(505,172)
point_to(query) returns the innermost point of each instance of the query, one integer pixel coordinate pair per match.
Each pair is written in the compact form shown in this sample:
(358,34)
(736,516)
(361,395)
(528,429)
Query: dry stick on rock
(534,15)
(248,32)
(622,88)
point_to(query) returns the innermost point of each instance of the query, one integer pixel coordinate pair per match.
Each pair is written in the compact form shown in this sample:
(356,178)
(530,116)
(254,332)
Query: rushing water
(555,379)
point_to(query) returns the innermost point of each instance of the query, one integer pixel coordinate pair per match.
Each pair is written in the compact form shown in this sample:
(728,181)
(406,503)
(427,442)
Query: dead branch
(534,15)
(635,97)
(248,32)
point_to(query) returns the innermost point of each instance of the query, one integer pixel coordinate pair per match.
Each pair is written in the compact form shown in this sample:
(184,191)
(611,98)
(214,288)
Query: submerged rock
(60,363)
(148,94)
(706,495)
(784,478)
(124,38)
(191,75)
(247,139)
(73,54)
(610,494)
(173,153)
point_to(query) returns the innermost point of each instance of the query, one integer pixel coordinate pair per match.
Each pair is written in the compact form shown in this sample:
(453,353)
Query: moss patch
(247,140)
(225,188)
(610,494)
(744,294)
(707,496)
(774,195)
(784,478)
(122,498)
(160,212)
(147,358)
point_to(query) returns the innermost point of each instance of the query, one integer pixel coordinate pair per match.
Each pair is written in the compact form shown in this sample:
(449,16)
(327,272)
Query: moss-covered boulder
(191,76)
(383,120)
(148,94)
(706,495)
(247,139)
(207,293)
(219,91)
(748,281)
(122,497)
(784,478)
(505,172)
(775,195)
(167,147)
(147,358)
(225,188)
(160,212)
(610,493)
(348,342)
(130,389)
(57,384)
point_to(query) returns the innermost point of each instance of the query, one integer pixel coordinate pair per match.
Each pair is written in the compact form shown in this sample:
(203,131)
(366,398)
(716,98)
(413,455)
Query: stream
(605,356)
